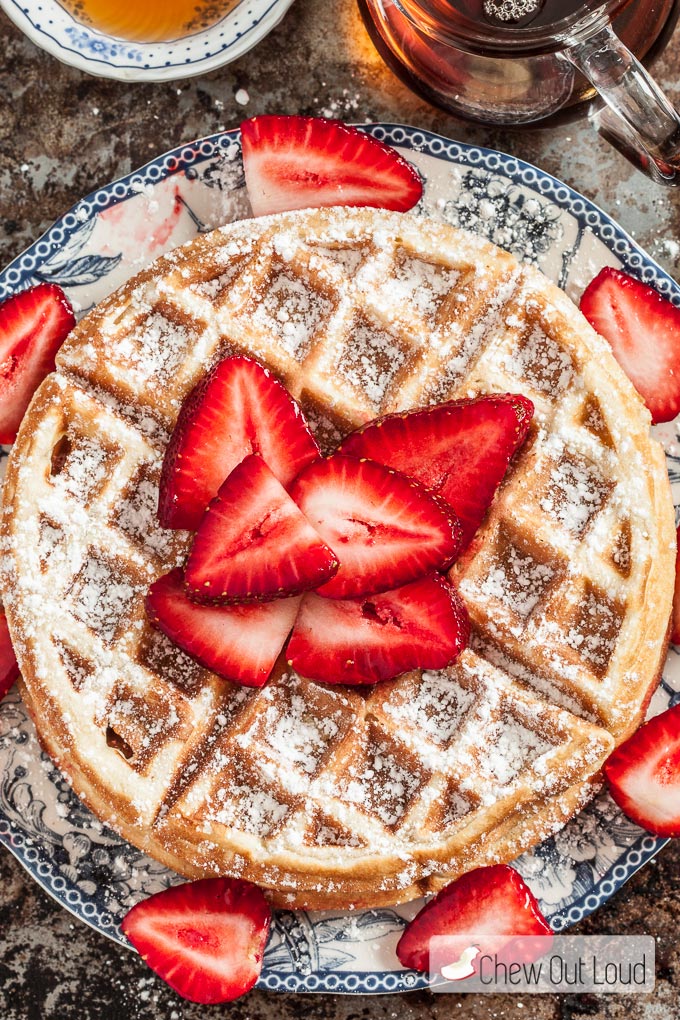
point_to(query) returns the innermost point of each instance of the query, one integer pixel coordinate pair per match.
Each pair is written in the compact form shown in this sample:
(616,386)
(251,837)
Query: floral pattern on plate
(90,251)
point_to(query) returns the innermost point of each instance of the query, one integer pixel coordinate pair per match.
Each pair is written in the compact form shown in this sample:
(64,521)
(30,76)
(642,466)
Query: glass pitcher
(499,73)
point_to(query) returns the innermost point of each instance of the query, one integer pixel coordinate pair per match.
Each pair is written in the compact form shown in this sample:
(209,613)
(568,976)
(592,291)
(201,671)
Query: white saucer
(50,26)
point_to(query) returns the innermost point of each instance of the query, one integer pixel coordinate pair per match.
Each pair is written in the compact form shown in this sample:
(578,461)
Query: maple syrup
(149,20)
(499,61)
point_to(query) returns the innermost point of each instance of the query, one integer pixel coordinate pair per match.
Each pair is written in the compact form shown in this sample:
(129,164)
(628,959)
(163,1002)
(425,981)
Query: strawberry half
(33,326)
(675,615)
(309,162)
(205,939)
(385,528)
(644,774)
(240,643)
(643,331)
(361,641)
(485,907)
(254,542)
(460,450)
(239,408)
(9,669)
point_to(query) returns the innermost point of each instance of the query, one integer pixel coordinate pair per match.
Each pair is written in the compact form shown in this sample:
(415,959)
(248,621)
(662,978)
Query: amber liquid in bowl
(149,20)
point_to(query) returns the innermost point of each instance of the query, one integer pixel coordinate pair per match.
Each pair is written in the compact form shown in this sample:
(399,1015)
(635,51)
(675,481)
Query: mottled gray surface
(63,134)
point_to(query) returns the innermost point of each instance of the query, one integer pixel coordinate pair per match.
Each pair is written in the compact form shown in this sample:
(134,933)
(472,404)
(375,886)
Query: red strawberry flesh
(240,642)
(309,162)
(460,450)
(643,330)
(9,669)
(254,542)
(644,774)
(486,907)
(385,528)
(205,939)
(362,641)
(239,408)
(33,326)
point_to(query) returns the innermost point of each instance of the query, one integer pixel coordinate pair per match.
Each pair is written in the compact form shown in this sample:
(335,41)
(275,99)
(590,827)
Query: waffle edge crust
(327,796)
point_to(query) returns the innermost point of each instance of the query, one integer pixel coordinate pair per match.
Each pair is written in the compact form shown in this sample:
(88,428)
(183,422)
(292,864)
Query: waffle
(332,796)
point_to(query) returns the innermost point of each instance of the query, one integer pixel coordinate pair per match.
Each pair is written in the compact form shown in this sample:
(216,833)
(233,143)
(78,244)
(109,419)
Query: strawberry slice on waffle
(362,641)
(385,528)
(460,450)
(240,642)
(254,543)
(9,669)
(239,408)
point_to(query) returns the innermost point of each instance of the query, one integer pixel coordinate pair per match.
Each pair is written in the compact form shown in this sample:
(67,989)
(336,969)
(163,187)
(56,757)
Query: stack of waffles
(327,795)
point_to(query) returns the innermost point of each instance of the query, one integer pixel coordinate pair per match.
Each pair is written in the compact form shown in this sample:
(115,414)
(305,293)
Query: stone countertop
(62,134)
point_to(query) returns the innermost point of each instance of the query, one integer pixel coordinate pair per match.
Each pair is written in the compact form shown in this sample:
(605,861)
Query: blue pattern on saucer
(53,28)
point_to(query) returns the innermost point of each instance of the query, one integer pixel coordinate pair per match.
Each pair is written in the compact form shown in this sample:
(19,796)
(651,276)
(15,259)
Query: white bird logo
(462,967)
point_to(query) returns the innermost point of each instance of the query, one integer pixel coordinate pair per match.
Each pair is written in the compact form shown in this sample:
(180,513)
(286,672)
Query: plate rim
(588,214)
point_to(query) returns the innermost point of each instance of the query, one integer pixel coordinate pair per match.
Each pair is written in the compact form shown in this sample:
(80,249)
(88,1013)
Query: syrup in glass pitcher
(514,62)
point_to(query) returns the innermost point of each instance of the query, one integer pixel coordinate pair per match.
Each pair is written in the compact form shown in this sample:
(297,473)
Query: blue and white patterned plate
(96,246)
(53,28)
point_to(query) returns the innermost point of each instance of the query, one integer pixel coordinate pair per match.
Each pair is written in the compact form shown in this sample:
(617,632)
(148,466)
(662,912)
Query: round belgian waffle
(332,796)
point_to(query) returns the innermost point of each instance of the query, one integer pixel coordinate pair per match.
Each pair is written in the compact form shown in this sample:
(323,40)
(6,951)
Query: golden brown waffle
(333,796)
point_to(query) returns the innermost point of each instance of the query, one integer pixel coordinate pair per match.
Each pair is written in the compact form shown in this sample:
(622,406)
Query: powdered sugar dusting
(435,711)
(382,781)
(290,311)
(576,491)
(518,580)
(509,746)
(295,727)
(249,808)
(542,361)
(370,360)
(101,597)
(155,348)
(421,284)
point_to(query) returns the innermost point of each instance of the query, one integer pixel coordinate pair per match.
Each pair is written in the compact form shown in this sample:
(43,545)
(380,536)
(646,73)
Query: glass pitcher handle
(638,118)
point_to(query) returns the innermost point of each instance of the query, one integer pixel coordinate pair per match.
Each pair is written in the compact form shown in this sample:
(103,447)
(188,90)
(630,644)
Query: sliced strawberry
(485,907)
(205,939)
(240,643)
(361,641)
(644,774)
(675,617)
(9,669)
(33,326)
(643,330)
(385,528)
(254,543)
(237,409)
(460,450)
(309,162)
